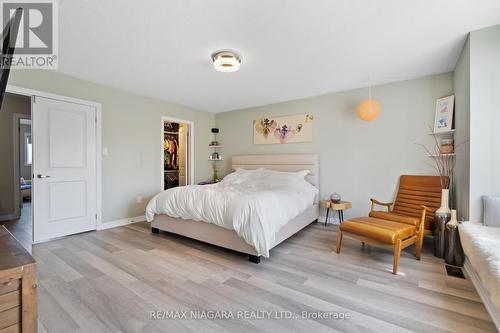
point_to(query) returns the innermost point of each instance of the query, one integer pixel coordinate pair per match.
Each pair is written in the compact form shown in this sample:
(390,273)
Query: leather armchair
(402,223)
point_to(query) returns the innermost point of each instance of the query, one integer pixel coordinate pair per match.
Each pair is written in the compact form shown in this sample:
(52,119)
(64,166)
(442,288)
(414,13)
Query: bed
(285,222)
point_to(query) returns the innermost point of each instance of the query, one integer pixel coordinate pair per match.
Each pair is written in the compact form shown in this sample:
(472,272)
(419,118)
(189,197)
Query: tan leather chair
(417,199)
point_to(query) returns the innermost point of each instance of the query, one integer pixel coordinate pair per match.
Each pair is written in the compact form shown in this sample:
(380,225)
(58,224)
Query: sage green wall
(131,132)
(461,86)
(476,82)
(360,160)
(484,117)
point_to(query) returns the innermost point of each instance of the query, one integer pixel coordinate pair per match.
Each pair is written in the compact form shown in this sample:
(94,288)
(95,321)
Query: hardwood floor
(110,281)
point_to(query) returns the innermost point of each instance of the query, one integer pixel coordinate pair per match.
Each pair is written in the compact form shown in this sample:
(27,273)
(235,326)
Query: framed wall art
(443,120)
(283,129)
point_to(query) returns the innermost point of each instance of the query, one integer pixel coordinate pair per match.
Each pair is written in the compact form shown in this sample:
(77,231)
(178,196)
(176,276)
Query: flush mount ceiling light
(226,61)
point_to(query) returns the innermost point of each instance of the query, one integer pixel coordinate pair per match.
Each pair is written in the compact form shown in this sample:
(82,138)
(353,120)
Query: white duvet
(256,203)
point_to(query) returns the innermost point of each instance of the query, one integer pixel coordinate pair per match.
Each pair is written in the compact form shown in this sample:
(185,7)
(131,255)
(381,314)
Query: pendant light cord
(369,88)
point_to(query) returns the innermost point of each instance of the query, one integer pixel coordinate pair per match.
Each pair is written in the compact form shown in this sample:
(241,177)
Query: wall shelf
(209,146)
(436,155)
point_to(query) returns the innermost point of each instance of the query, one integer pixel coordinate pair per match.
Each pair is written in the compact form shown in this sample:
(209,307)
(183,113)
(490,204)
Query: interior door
(182,157)
(64,168)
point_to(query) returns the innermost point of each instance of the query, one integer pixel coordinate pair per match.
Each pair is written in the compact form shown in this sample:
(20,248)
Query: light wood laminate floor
(110,281)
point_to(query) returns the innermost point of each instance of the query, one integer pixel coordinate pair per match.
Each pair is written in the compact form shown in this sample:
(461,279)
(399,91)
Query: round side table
(337,206)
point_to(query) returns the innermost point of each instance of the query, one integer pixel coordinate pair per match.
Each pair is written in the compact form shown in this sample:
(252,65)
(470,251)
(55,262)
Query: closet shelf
(216,159)
(172,133)
(219,146)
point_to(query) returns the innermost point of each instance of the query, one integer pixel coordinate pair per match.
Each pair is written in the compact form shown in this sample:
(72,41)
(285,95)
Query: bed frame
(213,234)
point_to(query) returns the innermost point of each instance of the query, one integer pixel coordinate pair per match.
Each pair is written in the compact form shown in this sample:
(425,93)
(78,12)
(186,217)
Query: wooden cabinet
(18,286)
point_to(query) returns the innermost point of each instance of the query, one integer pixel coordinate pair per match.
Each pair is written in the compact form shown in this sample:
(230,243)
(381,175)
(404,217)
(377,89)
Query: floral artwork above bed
(285,129)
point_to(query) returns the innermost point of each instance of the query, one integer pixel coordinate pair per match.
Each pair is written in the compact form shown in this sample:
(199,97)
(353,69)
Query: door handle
(42,176)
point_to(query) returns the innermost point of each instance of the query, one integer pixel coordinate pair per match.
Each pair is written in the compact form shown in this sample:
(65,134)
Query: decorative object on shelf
(369,109)
(285,129)
(215,156)
(335,197)
(446,146)
(441,217)
(454,254)
(443,120)
(226,61)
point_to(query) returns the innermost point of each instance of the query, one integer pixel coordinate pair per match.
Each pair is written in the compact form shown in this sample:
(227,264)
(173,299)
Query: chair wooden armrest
(386,204)
(422,218)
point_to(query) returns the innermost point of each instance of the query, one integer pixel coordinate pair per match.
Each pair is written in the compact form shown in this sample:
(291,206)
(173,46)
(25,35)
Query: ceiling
(290,48)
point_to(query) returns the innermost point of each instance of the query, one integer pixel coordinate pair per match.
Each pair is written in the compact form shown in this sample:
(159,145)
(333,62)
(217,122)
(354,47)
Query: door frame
(33,93)
(190,173)
(16,117)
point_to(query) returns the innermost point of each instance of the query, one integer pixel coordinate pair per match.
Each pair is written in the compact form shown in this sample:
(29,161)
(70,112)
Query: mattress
(253,203)
(481,245)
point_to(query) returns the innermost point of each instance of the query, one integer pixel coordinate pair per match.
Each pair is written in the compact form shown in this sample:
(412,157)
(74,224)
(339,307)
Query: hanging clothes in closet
(171,147)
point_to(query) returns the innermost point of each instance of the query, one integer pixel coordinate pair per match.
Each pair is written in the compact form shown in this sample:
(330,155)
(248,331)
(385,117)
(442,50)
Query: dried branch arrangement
(443,163)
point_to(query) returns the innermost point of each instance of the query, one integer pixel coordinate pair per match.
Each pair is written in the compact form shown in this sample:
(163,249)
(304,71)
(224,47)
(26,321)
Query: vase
(441,217)
(454,253)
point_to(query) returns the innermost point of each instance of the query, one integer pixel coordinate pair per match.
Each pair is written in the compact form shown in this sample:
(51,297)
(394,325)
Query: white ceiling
(290,48)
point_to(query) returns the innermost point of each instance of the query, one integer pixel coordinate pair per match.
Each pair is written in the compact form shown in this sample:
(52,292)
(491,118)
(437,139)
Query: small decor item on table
(454,253)
(443,120)
(335,197)
(441,217)
(446,146)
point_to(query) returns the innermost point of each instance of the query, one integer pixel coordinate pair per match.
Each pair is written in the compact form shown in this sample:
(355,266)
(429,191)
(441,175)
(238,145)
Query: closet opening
(176,152)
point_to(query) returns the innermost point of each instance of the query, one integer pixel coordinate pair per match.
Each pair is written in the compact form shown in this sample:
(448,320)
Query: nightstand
(337,206)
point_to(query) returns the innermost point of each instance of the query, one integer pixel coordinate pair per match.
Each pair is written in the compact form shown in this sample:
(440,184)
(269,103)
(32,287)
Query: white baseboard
(8,217)
(121,222)
(483,294)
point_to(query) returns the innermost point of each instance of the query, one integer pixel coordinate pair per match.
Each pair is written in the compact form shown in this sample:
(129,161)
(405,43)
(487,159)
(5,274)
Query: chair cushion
(395,217)
(384,231)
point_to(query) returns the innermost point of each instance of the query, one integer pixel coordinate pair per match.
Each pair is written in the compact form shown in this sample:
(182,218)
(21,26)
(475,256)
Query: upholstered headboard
(285,162)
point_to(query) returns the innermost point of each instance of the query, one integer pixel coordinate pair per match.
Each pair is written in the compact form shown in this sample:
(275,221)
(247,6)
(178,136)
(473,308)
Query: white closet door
(64,168)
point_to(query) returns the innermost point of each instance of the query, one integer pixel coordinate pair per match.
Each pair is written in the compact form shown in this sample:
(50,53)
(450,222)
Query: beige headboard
(288,162)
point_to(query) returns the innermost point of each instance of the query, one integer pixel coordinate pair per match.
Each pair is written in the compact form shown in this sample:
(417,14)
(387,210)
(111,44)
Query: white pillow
(303,173)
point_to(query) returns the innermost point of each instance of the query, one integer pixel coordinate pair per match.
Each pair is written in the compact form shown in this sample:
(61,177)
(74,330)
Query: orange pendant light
(369,109)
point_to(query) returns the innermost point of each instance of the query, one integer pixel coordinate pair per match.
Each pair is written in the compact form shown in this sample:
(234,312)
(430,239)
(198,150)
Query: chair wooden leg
(339,240)
(397,253)
(418,247)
